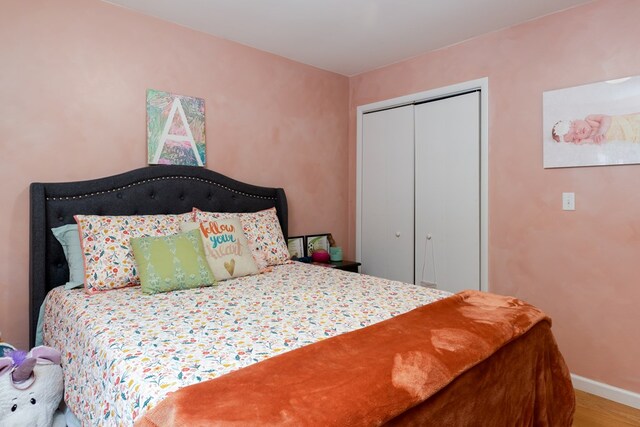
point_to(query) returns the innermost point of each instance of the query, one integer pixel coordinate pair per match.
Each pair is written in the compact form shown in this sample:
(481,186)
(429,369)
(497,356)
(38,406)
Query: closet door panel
(387,194)
(447,137)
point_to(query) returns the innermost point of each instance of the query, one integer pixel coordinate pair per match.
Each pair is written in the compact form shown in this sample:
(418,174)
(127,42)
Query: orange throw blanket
(385,373)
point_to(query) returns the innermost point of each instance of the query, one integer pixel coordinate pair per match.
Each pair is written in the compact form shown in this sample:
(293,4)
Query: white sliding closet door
(447,192)
(387,195)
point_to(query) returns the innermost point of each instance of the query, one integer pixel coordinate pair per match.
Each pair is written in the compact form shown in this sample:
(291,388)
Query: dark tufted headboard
(149,190)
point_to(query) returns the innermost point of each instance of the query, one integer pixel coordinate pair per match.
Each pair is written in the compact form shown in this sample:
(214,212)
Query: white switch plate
(568,201)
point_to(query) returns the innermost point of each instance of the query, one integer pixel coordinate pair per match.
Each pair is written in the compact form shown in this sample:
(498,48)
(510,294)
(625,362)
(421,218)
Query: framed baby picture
(317,241)
(592,125)
(296,246)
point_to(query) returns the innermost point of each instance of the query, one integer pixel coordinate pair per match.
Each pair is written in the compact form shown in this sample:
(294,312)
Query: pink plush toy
(320,255)
(31,387)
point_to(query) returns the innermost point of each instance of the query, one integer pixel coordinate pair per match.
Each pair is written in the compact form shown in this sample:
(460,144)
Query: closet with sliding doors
(419,194)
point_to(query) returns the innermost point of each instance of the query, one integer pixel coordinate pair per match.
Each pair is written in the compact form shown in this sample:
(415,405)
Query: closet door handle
(397,234)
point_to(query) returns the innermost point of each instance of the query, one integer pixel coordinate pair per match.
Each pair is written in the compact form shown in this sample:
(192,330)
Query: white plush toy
(31,388)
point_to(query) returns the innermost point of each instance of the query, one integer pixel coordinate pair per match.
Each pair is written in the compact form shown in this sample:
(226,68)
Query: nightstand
(340,265)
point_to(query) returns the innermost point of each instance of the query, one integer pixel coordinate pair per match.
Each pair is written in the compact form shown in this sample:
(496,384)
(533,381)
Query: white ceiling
(347,36)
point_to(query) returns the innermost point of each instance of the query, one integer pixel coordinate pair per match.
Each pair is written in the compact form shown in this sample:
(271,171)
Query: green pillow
(69,238)
(168,263)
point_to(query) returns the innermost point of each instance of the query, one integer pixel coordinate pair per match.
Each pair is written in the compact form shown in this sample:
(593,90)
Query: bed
(299,345)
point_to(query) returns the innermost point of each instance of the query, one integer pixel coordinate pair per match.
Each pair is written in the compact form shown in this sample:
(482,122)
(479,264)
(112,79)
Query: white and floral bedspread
(123,351)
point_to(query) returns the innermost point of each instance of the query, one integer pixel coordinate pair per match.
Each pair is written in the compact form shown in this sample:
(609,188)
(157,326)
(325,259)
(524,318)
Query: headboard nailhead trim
(83,196)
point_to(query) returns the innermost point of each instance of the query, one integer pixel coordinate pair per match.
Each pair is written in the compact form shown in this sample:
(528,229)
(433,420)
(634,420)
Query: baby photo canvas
(592,125)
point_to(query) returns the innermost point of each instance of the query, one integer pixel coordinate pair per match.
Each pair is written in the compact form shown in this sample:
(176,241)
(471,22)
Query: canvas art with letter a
(175,129)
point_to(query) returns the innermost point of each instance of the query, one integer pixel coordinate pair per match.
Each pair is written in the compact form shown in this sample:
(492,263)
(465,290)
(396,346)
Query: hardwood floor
(594,411)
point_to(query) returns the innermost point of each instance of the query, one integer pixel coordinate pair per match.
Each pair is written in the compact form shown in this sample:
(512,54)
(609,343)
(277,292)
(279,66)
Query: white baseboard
(606,391)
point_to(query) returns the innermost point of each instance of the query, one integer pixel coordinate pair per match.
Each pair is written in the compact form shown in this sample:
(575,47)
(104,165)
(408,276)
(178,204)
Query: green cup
(335,253)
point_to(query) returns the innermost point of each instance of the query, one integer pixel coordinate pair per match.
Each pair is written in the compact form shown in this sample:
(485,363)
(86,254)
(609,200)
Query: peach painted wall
(581,267)
(73,80)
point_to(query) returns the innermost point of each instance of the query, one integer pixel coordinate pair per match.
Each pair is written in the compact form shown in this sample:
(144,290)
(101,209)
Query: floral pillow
(105,240)
(225,246)
(263,233)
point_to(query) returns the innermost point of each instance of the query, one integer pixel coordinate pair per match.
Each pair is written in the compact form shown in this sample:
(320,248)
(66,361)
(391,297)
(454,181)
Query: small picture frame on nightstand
(296,247)
(317,241)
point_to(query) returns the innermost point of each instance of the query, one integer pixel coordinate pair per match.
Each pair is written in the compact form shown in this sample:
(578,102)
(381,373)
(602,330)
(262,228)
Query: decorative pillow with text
(225,247)
(263,233)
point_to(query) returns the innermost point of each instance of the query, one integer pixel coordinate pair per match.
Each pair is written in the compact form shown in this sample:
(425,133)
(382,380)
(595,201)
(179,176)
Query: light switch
(568,201)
